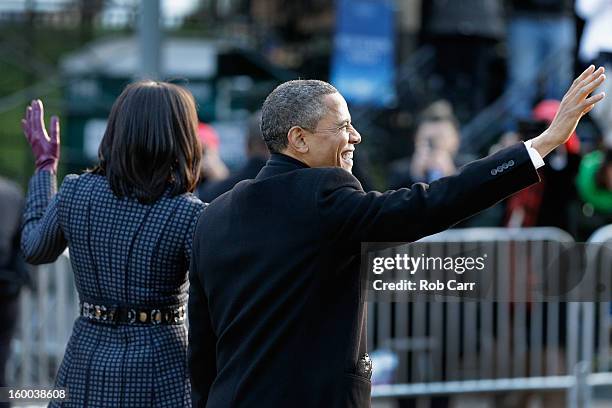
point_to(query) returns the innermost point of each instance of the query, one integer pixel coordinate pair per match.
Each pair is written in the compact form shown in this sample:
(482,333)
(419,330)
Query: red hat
(546,111)
(208,136)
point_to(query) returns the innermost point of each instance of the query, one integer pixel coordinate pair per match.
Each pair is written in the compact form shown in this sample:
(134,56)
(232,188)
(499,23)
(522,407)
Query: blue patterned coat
(121,252)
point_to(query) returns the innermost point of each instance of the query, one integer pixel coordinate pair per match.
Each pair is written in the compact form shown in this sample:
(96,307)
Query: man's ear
(296,138)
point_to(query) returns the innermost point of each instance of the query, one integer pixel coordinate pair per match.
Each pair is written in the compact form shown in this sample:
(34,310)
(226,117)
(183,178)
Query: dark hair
(293,103)
(438,111)
(150,143)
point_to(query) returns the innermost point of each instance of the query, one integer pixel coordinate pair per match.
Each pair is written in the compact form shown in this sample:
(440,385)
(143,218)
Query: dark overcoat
(276,308)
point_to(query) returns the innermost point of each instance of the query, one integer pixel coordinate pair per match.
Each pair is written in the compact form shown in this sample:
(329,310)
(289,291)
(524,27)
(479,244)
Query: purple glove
(46,149)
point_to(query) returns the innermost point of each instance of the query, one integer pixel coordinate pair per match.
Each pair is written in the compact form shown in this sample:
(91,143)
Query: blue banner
(364,45)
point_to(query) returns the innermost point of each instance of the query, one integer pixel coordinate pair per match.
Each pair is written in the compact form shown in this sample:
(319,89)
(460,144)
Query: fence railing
(46,317)
(485,346)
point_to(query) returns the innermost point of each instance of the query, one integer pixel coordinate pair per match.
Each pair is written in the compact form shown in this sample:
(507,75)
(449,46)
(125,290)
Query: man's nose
(355,137)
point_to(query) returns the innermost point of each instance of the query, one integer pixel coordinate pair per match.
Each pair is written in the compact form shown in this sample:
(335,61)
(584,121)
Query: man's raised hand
(575,104)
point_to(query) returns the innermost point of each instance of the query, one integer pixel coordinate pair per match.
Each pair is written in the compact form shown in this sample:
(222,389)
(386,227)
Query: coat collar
(280,163)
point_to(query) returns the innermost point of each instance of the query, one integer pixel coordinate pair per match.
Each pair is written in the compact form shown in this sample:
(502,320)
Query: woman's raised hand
(46,149)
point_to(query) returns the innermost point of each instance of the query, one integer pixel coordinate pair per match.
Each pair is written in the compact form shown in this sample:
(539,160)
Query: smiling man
(331,142)
(276,306)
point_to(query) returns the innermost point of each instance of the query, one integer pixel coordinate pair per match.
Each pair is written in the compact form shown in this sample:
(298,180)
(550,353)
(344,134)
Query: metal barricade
(599,313)
(482,346)
(595,317)
(46,317)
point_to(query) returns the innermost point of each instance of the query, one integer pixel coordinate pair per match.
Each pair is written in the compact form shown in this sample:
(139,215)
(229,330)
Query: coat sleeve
(42,238)
(202,340)
(198,207)
(351,216)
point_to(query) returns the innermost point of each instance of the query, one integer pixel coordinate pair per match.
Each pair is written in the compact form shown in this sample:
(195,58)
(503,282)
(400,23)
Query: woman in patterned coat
(128,224)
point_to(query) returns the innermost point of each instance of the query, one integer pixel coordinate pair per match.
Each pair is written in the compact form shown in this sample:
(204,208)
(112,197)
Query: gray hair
(292,103)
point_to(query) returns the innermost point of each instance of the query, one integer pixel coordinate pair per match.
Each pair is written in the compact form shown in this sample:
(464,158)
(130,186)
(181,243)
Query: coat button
(494,172)
(500,169)
(511,163)
(505,166)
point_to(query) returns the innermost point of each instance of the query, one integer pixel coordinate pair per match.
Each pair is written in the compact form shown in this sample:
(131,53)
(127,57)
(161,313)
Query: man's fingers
(583,80)
(578,82)
(591,86)
(594,99)
(584,75)
(587,85)
(594,76)
(588,109)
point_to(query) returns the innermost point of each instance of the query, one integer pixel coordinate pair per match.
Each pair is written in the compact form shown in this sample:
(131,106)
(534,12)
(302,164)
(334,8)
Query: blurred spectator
(548,203)
(436,143)
(507,139)
(213,168)
(409,20)
(257,154)
(541,34)
(13,270)
(464,35)
(596,48)
(597,34)
(594,184)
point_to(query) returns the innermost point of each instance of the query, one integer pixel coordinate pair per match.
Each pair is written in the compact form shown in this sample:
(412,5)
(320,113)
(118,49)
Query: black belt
(132,314)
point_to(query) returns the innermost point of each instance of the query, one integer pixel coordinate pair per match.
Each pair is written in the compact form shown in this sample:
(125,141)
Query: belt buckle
(178,314)
(85,309)
(156,316)
(131,315)
(101,313)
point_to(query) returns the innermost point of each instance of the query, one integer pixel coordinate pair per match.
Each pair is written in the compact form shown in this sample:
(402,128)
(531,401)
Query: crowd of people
(543,45)
(575,194)
(540,39)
